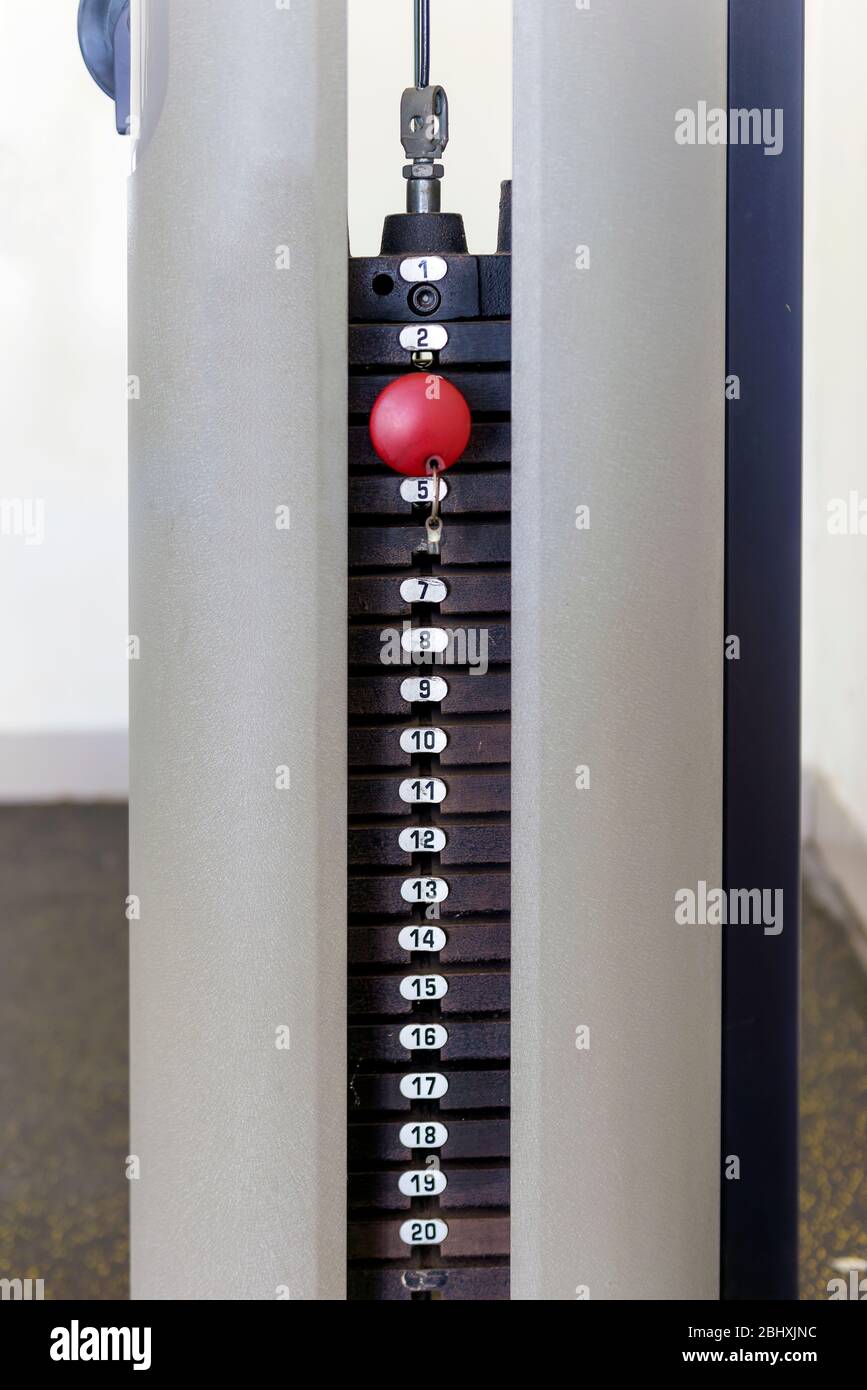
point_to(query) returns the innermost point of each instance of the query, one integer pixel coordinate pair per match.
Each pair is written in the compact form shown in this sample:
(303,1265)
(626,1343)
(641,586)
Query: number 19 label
(423,1182)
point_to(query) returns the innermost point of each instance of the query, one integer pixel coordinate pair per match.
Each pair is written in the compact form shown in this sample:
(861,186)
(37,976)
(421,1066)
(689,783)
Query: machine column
(617,637)
(237,309)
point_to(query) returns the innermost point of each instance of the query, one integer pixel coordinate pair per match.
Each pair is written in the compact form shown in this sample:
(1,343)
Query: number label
(423,1182)
(424,1085)
(424,639)
(431,337)
(427,740)
(423,1134)
(422,939)
(432,1232)
(416,270)
(424,590)
(424,890)
(424,1037)
(422,490)
(424,690)
(424,987)
(428,839)
(424,791)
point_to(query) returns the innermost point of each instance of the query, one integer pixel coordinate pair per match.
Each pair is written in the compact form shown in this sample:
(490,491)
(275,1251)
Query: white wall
(835,435)
(471,56)
(63,623)
(63,412)
(62,354)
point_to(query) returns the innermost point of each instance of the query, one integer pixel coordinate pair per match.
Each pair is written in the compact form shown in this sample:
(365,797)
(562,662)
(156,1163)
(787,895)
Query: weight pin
(433,525)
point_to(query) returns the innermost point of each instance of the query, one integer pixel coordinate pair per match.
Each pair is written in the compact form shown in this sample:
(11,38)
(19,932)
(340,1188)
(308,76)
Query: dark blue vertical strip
(762,689)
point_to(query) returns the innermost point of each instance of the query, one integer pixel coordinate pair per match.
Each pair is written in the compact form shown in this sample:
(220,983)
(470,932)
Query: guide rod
(422,43)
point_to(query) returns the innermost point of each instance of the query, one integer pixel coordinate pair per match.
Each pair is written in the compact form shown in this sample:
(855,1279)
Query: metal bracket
(104,40)
(424,134)
(424,122)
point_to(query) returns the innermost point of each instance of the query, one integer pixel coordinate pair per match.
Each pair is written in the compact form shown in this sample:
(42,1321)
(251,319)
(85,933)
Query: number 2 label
(424,337)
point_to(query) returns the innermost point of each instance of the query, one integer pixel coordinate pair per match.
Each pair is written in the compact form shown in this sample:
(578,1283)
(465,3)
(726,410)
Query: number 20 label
(432,1232)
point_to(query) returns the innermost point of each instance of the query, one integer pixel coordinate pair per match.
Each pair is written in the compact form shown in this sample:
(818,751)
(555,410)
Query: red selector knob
(418,418)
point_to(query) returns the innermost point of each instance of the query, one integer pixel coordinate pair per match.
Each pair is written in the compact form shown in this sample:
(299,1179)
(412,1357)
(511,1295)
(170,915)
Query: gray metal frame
(242,631)
(618,404)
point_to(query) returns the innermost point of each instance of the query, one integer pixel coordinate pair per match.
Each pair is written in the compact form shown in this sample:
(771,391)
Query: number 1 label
(416,270)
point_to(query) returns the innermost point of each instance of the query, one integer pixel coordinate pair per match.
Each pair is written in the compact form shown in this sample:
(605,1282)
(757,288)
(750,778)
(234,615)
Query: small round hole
(382,284)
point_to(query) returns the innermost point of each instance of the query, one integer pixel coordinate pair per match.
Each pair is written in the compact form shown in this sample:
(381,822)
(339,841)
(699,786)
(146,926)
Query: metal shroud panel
(242,667)
(618,405)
